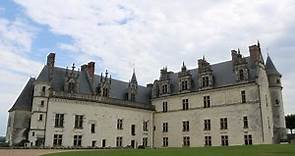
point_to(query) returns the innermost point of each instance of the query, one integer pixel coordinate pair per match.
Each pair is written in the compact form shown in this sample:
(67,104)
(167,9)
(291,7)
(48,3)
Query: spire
(133,78)
(183,68)
(270,67)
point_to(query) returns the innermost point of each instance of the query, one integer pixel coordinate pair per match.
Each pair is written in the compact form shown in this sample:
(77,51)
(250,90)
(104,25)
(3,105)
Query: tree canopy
(290,122)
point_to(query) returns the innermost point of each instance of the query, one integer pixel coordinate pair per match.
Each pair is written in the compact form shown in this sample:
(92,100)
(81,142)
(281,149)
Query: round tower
(275,88)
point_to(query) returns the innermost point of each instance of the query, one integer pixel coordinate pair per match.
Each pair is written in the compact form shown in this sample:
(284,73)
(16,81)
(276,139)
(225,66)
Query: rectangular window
(184,85)
(93,143)
(186,141)
(185,104)
(207,125)
(145,126)
(119,141)
(205,81)
(208,141)
(248,139)
(165,142)
(206,101)
(57,140)
(165,127)
(243,95)
(185,127)
(42,103)
(59,121)
(77,140)
(133,130)
(223,123)
(245,119)
(145,142)
(40,117)
(92,128)
(79,121)
(224,140)
(43,90)
(165,89)
(120,124)
(165,106)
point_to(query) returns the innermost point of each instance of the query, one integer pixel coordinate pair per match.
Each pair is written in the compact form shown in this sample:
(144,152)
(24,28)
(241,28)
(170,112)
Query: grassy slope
(261,150)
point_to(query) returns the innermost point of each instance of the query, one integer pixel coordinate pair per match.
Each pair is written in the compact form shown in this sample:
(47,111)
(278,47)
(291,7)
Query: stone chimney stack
(234,55)
(91,69)
(83,67)
(255,54)
(50,65)
(51,59)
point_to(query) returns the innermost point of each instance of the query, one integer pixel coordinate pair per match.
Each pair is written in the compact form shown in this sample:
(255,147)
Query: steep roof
(270,67)
(118,88)
(223,74)
(24,101)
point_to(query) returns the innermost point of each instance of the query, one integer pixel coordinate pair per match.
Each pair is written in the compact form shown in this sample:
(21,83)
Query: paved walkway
(26,152)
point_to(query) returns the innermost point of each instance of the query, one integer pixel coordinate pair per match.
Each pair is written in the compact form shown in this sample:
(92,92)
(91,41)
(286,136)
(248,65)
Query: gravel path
(27,152)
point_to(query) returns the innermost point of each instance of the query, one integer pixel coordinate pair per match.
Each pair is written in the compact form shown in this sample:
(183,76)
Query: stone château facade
(235,102)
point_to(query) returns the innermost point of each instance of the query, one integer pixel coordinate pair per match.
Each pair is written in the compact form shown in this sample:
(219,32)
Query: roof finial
(258,44)
(73,67)
(239,51)
(183,63)
(204,58)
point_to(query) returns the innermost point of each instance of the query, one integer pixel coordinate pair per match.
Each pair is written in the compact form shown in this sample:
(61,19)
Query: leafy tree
(290,122)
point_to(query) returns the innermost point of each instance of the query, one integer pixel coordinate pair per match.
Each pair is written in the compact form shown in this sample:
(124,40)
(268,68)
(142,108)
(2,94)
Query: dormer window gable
(205,74)
(184,79)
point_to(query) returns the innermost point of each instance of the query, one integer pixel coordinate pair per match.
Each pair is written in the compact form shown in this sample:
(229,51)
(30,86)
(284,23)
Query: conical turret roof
(270,67)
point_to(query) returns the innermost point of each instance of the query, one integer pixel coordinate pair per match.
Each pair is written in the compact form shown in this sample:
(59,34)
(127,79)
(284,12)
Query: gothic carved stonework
(205,72)
(240,66)
(164,82)
(104,86)
(132,88)
(184,79)
(72,81)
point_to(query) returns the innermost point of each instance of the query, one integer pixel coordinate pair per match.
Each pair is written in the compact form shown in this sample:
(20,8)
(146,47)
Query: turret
(275,87)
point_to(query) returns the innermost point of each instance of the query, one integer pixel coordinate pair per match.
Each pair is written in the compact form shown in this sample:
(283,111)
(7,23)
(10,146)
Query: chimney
(91,69)
(51,59)
(255,54)
(84,67)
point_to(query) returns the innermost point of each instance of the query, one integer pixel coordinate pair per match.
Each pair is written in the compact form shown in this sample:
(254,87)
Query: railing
(107,100)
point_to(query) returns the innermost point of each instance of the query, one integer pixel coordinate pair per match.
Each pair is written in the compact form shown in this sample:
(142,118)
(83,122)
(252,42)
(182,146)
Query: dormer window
(71,87)
(184,85)
(105,92)
(132,98)
(205,81)
(241,74)
(165,89)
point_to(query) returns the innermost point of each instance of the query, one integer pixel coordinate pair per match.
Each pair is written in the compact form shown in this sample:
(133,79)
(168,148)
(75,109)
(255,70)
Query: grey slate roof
(24,101)
(223,74)
(118,88)
(270,67)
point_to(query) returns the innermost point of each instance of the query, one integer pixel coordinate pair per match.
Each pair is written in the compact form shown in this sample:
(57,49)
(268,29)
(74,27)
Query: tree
(290,122)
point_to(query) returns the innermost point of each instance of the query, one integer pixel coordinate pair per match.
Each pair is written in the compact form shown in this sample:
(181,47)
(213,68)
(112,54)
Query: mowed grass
(259,150)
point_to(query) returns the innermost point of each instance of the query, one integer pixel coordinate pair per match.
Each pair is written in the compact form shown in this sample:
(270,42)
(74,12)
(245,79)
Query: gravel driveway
(26,152)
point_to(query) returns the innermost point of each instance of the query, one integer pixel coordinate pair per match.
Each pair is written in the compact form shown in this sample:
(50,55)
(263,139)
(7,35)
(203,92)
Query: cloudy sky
(145,34)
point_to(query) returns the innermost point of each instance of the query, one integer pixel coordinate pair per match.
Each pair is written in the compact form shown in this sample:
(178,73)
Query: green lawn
(260,150)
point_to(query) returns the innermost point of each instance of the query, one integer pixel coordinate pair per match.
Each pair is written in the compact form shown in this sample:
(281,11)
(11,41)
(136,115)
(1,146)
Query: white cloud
(153,34)
(15,65)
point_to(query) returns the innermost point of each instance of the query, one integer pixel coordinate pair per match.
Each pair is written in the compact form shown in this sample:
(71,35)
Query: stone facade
(231,103)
